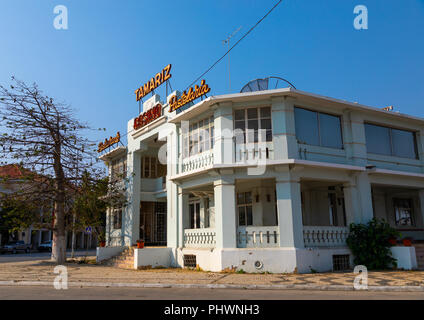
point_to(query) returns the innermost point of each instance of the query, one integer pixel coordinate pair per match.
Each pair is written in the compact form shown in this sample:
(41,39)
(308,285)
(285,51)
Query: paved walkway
(43,271)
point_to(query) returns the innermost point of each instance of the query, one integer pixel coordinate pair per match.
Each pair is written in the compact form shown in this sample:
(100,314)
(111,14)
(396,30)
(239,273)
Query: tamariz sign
(154,82)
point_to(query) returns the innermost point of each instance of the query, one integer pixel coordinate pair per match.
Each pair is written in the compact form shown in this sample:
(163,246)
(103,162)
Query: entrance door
(194,209)
(153,223)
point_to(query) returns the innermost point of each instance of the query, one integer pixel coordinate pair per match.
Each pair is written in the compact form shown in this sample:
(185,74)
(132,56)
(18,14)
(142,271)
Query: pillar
(223,141)
(131,214)
(225,213)
(289,211)
(283,129)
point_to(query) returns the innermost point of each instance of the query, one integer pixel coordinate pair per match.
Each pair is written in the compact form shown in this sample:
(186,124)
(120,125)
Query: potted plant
(393,241)
(102,239)
(407,242)
(140,244)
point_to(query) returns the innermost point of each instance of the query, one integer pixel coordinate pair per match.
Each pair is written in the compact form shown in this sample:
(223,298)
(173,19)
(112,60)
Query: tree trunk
(59,242)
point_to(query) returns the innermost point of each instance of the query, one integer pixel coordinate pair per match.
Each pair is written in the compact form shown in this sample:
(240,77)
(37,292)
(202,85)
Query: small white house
(265,181)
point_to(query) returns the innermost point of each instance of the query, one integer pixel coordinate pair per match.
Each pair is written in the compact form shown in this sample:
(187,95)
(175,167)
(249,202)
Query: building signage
(109,142)
(191,95)
(148,116)
(154,82)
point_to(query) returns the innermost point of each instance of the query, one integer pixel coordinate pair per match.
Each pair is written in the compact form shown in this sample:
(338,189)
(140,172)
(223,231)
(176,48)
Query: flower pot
(407,242)
(393,241)
(140,244)
(102,244)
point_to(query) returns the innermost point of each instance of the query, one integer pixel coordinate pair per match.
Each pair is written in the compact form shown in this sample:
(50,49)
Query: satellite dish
(269,83)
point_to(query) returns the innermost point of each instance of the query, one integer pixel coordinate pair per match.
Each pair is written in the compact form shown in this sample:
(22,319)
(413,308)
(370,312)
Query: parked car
(16,246)
(45,246)
(3,250)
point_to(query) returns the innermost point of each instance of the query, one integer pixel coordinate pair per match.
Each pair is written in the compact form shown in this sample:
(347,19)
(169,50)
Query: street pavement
(36,256)
(49,293)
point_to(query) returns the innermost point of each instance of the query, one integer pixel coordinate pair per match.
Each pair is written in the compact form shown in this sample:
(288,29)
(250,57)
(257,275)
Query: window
(244,207)
(119,169)
(318,129)
(199,137)
(194,209)
(117,218)
(390,142)
(152,168)
(403,212)
(251,122)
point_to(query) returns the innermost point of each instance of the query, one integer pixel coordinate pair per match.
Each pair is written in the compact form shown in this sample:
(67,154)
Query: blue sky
(112,47)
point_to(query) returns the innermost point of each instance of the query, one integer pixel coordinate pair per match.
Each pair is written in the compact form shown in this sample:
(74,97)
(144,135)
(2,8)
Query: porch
(249,215)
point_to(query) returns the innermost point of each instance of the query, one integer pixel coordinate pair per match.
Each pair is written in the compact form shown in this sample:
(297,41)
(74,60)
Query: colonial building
(264,181)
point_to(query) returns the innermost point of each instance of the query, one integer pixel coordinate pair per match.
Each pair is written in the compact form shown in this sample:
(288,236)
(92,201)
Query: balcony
(257,237)
(323,236)
(200,238)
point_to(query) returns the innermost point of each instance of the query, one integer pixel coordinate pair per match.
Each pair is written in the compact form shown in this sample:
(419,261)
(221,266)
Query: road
(17,257)
(49,293)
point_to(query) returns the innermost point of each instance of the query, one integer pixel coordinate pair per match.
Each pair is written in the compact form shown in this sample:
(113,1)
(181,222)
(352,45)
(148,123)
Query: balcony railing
(199,238)
(318,236)
(257,237)
(198,161)
(249,152)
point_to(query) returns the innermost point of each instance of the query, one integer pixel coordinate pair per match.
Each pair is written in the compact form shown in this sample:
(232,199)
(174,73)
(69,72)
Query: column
(358,200)
(182,216)
(420,213)
(223,125)
(131,217)
(365,199)
(225,213)
(283,129)
(289,211)
(354,133)
(353,212)
(172,188)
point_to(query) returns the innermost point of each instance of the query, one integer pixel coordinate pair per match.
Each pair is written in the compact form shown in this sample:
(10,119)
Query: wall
(104,253)
(152,258)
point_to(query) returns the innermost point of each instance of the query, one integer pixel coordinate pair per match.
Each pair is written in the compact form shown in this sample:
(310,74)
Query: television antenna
(227,42)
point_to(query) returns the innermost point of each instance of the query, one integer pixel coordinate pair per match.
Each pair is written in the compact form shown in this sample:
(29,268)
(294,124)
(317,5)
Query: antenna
(224,42)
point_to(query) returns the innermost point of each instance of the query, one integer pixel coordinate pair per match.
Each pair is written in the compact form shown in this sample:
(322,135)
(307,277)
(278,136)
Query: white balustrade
(198,161)
(200,238)
(257,237)
(322,236)
(254,152)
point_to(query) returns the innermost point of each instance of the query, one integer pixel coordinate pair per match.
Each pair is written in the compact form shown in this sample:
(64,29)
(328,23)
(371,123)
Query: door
(194,209)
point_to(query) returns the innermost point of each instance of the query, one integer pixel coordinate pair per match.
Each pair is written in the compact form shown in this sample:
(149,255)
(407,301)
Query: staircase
(124,261)
(419,250)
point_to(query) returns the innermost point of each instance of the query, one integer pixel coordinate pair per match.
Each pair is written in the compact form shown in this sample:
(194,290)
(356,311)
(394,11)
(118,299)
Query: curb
(215,286)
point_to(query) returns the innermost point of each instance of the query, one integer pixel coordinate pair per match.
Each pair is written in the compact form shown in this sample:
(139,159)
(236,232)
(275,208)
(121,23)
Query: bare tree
(45,137)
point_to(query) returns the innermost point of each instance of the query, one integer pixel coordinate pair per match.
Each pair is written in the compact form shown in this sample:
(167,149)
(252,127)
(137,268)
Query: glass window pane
(266,124)
(248,197)
(252,113)
(249,215)
(403,144)
(239,115)
(330,131)
(240,198)
(242,216)
(377,139)
(306,123)
(191,209)
(266,112)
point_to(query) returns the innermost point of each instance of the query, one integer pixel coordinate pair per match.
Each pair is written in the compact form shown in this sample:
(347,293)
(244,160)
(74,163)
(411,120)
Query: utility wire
(250,30)
(217,61)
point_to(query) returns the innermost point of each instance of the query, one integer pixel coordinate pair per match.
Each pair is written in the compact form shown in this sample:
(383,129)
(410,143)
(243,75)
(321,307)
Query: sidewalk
(42,273)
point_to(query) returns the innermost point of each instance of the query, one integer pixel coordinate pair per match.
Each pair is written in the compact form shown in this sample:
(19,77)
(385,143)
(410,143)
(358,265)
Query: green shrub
(370,244)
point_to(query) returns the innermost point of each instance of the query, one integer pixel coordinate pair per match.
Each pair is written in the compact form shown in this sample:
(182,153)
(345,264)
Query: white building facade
(265,181)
